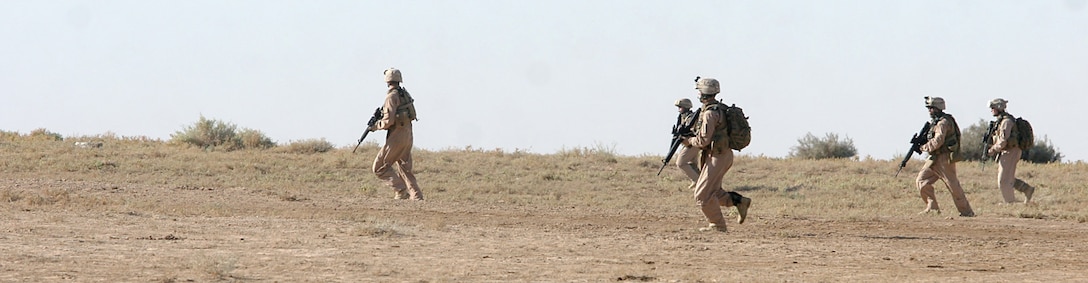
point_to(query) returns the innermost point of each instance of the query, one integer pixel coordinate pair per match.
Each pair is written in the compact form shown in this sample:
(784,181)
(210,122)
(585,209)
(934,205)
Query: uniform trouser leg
(708,188)
(384,167)
(1006,173)
(409,178)
(687,161)
(940,168)
(926,178)
(396,156)
(958,196)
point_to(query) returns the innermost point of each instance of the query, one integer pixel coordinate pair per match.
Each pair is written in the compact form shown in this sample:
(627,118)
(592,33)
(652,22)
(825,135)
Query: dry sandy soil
(360,238)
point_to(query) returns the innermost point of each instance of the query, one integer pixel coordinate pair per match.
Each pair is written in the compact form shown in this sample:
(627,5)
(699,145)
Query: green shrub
(1042,152)
(971,146)
(811,147)
(309,146)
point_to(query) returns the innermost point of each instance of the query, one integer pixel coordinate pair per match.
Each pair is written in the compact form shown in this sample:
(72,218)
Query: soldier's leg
(709,185)
(384,169)
(958,196)
(405,166)
(925,181)
(737,200)
(1006,174)
(687,161)
(1027,189)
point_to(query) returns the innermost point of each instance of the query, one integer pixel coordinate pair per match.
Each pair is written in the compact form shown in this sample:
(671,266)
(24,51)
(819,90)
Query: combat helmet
(999,104)
(707,86)
(392,75)
(683,103)
(935,102)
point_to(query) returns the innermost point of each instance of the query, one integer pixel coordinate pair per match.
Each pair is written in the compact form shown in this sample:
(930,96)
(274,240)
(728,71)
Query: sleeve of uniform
(1004,131)
(389,110)
(939,136)
(705,133)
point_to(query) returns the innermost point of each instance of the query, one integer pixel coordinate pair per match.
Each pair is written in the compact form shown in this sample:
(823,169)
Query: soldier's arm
(939,136)
(1004,131)
(389,111)
(704,134)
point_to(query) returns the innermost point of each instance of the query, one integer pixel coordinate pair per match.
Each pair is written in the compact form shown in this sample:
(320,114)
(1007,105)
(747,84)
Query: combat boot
(742,209)
(1023,187)
(713,227)
(928,210)
(401,195)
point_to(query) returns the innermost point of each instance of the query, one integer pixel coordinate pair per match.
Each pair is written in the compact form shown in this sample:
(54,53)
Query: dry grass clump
(218,267)
(382,228)
(308,146)
(594,179)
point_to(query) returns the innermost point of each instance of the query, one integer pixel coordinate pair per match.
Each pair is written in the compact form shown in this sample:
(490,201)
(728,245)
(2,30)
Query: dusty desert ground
(359,238)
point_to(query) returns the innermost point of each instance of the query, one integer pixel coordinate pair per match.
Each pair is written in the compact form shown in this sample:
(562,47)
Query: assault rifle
(987,142)
(916,143)
(679,132)
(369,124)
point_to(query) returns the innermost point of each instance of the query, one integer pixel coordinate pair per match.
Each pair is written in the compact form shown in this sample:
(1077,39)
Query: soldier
(686,156)
(1007,149)
(394,162)
(713,142)
(942,145)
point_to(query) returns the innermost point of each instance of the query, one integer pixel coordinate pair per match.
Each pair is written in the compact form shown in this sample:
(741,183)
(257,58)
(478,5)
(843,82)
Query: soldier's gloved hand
(991,152)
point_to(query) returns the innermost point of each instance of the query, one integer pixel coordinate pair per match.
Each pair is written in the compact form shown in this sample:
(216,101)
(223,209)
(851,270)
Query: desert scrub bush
(211,134)
(255,139)
(604,152)
(8,136)
(811,147)
(42,134)
(309,146)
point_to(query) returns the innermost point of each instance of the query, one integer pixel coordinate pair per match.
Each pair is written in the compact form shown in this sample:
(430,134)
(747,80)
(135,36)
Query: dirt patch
(358,238)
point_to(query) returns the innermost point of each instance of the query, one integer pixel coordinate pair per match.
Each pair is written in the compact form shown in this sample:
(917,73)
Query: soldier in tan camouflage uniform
(686,157)
(713,141)
(394,162)
(942,144)
(1006,147)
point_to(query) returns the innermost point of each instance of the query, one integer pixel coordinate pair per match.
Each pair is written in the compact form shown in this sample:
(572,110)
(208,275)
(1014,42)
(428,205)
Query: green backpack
(736,124)
(1026,136)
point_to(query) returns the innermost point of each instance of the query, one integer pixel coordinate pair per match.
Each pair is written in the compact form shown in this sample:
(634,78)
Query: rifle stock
(373,119)
(915,145)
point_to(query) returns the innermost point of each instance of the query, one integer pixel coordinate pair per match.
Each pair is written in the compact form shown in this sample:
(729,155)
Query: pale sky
(543,75)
